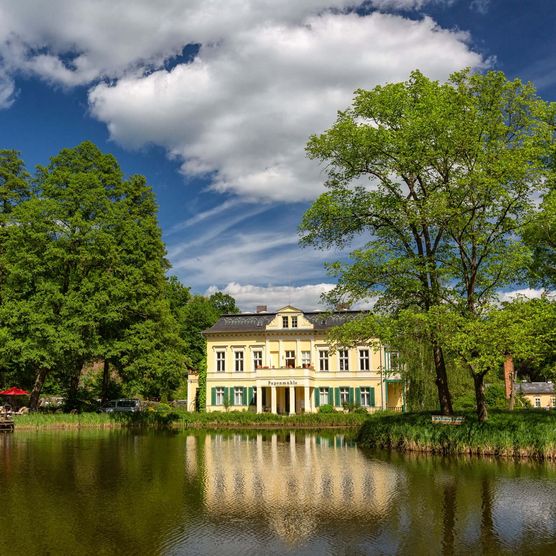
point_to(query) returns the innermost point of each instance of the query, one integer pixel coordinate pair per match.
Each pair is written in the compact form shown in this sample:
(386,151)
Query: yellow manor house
(281,363)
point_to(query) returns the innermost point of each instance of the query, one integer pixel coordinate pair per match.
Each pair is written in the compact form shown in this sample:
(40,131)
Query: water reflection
(119,492)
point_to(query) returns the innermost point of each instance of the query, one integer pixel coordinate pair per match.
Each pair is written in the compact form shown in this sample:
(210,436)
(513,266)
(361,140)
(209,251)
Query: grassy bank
(65,421)
(514,434)
(184,420)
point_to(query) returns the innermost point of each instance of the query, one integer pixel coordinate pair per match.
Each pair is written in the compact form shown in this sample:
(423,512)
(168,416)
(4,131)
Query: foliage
(327,408)
(451,174)
(513,434)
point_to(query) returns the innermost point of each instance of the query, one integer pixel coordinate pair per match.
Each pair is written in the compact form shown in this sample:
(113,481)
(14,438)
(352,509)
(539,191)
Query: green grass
(65,421)
(184,420)
(238,419)
(515,434)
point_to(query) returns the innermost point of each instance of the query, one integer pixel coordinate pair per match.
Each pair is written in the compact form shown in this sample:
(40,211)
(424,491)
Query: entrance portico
(284,400)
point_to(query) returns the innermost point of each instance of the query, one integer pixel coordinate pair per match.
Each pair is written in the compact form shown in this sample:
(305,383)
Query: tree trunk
(511,405)
(479,381)
(444,396)
(105,382)
(37,388)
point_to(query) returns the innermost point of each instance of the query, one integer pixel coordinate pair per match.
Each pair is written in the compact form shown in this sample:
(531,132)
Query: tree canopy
(434,183)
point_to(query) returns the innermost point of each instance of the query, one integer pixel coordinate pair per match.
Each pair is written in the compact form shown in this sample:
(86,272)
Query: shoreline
(517,435)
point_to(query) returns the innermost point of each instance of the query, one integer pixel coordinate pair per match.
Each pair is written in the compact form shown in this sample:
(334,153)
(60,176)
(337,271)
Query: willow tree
(434,182)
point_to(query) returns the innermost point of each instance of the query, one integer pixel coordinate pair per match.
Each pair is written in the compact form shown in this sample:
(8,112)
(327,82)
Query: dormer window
(285,322)
(294,322)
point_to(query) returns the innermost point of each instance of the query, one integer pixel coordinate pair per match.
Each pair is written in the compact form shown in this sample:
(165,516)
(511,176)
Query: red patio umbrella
(14,392)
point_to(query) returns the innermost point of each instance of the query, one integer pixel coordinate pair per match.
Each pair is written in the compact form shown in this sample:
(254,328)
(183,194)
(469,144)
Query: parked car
(123,406)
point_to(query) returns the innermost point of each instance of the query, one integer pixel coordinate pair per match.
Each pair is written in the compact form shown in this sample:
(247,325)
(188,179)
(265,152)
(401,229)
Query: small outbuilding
(541,394)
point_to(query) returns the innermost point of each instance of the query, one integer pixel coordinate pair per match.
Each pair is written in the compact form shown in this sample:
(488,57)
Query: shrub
(327,408)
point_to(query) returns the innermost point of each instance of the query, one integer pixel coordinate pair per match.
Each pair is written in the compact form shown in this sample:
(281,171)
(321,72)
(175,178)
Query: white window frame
(294,321)
(388,360)
(305,358)
(220,357)
(324,360)
(323,395)
(537,402)
(219,399)
(289,356)
(239,360)
(553,400)
(363,359)
(256,360)
(285,322)
(344,395)
(238,395)
(343,360)
(365,396)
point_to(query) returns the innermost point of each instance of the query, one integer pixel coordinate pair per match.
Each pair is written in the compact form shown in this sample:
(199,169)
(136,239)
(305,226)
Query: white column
(259,396)
(292,400)
(273,400)
(307,397)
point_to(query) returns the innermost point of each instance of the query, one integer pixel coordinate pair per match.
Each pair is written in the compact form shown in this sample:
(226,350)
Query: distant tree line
(84,286)
(449,191)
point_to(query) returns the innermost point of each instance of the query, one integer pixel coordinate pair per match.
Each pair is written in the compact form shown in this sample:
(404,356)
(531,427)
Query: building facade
(541,395)
(282,363)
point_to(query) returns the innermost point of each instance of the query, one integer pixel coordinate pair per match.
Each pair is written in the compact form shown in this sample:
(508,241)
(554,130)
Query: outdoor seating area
(7,410)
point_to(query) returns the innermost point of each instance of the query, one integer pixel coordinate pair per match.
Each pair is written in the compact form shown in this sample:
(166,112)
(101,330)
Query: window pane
(239,361)
(220,361)
(364,364)
(257,359)
(294,322)
(323,360)
(343,359)
(284,322)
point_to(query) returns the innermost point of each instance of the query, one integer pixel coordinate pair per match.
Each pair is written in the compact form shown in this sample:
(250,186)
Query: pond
(121,492)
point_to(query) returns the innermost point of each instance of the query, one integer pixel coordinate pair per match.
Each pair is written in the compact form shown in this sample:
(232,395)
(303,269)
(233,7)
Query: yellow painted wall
(546,400)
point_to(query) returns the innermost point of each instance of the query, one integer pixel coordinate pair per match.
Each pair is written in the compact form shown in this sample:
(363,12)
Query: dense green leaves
(435,184)
(82,279)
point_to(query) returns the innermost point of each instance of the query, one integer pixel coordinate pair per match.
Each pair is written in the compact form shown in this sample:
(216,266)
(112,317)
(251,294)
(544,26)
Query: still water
(119,492)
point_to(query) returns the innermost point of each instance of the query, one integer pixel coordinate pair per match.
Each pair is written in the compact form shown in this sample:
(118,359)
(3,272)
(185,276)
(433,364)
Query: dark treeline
(86,308)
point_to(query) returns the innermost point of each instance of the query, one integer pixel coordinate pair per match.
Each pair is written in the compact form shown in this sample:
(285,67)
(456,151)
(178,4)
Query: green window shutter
(317,398)
(372,396)
(351,400)
(250,395)
(244,396)
(337,397)
(330,398)
(227,396)
(358,396)
(213,396)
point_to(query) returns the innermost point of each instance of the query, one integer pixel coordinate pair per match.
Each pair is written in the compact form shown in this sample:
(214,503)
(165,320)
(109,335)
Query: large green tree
(434,182)
(85,279)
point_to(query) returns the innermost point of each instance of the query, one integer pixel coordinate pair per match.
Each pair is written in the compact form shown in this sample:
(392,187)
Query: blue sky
(213,101)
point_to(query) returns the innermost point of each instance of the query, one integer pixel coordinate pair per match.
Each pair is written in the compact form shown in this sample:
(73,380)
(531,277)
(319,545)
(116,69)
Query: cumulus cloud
(275,297)
(268,74)
(242,111)
(88,39)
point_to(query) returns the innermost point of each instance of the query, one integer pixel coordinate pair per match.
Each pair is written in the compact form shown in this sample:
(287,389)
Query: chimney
(261,308)
(508,375)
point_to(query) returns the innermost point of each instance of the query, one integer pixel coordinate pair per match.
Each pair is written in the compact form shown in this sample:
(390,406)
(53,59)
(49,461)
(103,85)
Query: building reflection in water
(293,484)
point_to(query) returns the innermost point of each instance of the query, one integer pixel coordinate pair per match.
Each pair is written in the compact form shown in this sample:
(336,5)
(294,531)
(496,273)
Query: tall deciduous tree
(85,276)
(434,181)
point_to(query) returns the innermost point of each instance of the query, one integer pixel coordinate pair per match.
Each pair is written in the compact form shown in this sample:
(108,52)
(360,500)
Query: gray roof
(535,387)
(257,322)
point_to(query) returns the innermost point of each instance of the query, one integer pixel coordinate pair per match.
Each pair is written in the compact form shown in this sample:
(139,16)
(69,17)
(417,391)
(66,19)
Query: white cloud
(406,5)
(87,39)
(7,91)
(268,74)
(243,110)
(529,293)
(248,296)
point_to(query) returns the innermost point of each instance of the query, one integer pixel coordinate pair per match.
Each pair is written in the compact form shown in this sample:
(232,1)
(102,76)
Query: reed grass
(509,434)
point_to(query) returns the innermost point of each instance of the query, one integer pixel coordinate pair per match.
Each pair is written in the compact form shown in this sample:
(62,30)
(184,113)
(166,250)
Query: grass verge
(511,434)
